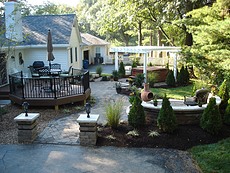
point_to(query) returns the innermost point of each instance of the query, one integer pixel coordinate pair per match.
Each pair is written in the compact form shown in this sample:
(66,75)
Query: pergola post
(145,67)
(175,66)
(116,61)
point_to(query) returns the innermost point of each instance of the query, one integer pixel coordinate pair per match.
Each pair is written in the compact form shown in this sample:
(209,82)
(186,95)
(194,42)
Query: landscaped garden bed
(183,138)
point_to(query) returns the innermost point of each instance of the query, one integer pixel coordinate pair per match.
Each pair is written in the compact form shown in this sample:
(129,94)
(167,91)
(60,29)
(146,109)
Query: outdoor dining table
(55,71)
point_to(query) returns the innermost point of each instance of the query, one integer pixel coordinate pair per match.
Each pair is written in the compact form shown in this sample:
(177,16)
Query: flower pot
(146,95)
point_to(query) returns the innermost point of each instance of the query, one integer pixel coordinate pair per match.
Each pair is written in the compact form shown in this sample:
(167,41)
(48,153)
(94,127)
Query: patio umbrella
(50,48)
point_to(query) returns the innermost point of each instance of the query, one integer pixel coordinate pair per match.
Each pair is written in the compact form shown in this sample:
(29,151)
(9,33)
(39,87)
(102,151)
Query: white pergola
(145,50)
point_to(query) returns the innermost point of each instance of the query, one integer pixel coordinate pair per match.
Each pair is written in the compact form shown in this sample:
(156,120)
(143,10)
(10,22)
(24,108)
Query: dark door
(3,71)
(86,55)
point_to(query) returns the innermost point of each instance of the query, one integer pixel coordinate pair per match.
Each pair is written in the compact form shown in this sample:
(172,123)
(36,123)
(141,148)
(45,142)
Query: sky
(67,2)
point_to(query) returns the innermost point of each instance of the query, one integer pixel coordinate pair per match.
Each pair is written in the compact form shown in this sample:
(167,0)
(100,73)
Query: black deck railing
(49,86)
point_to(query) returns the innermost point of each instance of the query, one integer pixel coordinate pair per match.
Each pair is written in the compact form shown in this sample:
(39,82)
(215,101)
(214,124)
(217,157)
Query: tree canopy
(211,49)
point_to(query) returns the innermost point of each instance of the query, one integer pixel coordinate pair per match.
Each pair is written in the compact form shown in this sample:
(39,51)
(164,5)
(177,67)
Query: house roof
(89,39)
(35,28)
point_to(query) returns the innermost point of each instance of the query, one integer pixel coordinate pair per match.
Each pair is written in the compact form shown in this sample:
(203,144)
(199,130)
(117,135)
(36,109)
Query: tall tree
(211,50)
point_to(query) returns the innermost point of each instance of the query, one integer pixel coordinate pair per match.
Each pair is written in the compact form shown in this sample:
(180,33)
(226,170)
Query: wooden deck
(47,91)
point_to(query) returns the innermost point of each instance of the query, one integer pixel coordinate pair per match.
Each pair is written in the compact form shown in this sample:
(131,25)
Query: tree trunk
(188,39)
(151,41)
(159,42)
(139,33)
(159,37)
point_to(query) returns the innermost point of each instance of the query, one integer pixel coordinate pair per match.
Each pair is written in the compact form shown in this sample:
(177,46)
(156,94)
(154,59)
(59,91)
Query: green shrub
(150,64)
(113,113)
(121,70)
(134,64)
(224,94)
(211,119)
(152,78)
(104,78)
(186,75)
(183,77)
(136,116)
(170,79)
(99,70)
(227,114)
(115,75)
(166,120)
(139,80)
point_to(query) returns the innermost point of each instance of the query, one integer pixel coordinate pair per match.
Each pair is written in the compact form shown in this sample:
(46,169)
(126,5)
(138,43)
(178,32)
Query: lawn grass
(176,93)
(213,157)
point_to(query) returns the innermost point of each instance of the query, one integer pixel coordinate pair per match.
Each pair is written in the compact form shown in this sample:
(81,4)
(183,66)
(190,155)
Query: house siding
(36,54)
(74,43)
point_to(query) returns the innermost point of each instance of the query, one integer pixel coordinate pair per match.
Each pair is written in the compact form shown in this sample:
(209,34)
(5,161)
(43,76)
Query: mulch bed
(183,138)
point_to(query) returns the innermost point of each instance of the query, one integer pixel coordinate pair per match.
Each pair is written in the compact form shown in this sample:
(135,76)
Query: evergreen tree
(136,116)
(227,114)
(121,70)
(211,119)
(181,76)
(170,80)
(186,75)
(224,94)
(166,119)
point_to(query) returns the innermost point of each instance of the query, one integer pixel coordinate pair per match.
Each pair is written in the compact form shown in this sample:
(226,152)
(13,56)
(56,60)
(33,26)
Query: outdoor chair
(55,66)
(33,71)
(128,70)
(201,96)
(66,73)
(44,72)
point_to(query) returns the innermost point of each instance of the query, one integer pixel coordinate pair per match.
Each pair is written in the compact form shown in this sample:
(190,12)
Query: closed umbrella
(50,48)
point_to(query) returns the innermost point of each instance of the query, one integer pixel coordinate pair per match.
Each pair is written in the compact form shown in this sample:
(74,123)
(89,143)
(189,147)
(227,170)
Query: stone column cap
(31,117)
(83,118)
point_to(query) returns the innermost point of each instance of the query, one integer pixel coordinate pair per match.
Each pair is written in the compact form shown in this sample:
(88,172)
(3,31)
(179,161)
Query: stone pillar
(88,129)
(27,127)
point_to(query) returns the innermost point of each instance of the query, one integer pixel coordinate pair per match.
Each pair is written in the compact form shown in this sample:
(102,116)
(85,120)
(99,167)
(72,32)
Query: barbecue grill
(38,64)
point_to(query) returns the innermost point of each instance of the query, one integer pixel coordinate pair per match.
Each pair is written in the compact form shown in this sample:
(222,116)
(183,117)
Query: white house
(29,36)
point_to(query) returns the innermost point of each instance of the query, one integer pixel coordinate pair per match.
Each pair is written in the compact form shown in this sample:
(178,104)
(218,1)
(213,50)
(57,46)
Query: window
(71,55)
(98,50)
(21,61)
(76,54)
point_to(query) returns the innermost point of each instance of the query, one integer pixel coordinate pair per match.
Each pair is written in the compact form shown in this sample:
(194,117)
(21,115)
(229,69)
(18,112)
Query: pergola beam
(145,50)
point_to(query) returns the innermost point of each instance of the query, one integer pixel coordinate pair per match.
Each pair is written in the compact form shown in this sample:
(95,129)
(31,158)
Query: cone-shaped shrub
(211,119)
(186,75)
(224,94)
(136,116)
(121,70)
(180,78)
(183,76)
(170,80)
(166,120)
(227,114)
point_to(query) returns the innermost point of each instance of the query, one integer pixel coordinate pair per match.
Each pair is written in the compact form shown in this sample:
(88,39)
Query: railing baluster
(31,87)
